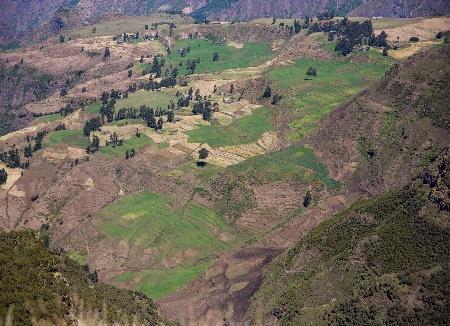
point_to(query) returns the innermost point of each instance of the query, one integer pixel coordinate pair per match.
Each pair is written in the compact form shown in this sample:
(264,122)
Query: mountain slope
(383,260)
(43,287)
(408,125)
(19,18)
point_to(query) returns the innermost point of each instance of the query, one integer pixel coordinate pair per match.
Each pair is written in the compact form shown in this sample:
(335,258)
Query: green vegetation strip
(133,142)
(242,131)
(252,54)
(294,163)
(336,81)
(66,137)
(152,99)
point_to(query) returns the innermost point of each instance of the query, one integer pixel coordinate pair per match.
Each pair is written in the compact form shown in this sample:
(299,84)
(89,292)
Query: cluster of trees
(11,158)
(91,125)
(133,37)
(203,105)
(350,34)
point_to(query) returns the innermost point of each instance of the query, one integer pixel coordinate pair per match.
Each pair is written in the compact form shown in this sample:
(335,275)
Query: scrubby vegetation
(44,287)
(361,267)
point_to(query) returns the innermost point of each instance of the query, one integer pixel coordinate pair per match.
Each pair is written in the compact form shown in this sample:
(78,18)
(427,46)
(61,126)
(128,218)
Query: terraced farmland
(310,98)
(182,240)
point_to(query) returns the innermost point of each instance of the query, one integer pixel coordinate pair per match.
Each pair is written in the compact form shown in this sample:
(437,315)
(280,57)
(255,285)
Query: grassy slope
(241,131)
(147,220)
(133,142)
(67,137)
(143,97)
(40,285)
(337,80)
(360,267)
(252,54)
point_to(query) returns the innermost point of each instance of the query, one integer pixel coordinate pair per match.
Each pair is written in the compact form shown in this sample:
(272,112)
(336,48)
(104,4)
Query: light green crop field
(242,131)
(66,137)
(50,117)
(252,54)
(337,80)
(133,142)
(152,99)
(180,238)
(293,163)
(79,258)
(159,283)
(94,108)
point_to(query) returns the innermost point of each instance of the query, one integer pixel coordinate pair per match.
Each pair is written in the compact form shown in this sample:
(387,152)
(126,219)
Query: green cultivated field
(294,163)
(252,54)
(66,137)
(94,108)
(179,237)
(152,99)
(134,142)
(337,80)
(50,117)
(242,131)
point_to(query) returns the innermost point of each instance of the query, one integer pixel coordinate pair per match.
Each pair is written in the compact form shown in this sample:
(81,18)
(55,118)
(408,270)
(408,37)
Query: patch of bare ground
(223,293)
(424,30)
(273,202)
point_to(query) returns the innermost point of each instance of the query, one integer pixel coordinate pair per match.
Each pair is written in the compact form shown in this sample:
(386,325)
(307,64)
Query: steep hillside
(42,287)
(408,125)
(383,260)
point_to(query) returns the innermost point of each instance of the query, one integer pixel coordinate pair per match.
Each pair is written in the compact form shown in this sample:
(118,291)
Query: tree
(61,38)
(307,199)
(94,30)
(28,151)
(274,20)
(276,98)
(216,56)
(91,125)
(130,73)
(385,52)
(439,35)
(159,124)
(203,154)
(312,72)
(232,89)
(83,90)
(3,176)
(414,39)
(267,92)
(146,27)
(63,92)
(107,53)
(170,116)
(94,146)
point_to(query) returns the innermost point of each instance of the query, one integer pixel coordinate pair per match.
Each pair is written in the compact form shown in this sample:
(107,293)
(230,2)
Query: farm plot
(310,98)
(251,54)
(181,239)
